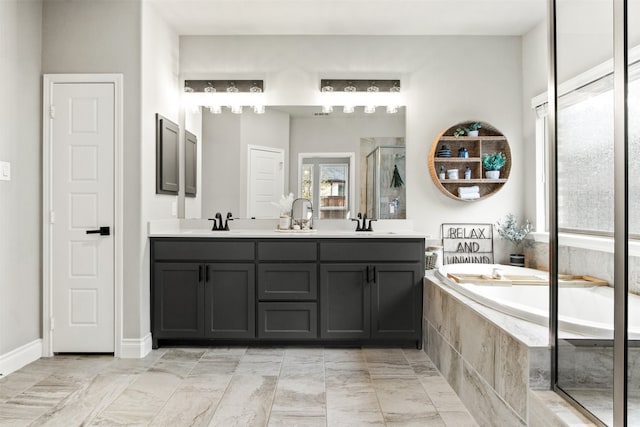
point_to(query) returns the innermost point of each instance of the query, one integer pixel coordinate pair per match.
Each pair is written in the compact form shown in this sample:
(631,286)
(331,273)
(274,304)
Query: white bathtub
(585,311)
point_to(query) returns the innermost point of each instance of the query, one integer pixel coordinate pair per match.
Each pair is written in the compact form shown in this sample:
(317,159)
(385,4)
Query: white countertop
(267,229)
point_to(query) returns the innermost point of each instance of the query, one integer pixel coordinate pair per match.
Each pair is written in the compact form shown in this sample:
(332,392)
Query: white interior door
(266,181)
(82,191)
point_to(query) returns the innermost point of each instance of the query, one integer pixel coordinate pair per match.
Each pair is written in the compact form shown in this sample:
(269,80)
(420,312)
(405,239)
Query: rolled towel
(466,190)
(470,196)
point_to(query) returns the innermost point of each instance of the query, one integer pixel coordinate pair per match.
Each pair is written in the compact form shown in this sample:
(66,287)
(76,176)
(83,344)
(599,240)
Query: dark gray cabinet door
(396,301)
(345,296)
(177,300)
(288,320)
(229,301)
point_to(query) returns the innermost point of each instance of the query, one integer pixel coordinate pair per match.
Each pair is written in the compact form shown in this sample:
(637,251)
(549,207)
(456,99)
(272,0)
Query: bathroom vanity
(265,286)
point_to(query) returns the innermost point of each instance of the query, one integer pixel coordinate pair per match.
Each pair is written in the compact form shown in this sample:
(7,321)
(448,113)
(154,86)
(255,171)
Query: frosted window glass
(585,158)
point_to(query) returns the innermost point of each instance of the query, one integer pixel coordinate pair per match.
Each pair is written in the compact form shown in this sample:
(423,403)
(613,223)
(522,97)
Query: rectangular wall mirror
(248,157)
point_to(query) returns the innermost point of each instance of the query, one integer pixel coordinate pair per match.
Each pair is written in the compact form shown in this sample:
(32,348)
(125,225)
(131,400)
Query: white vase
(285,222)
(492,174)
(473,133)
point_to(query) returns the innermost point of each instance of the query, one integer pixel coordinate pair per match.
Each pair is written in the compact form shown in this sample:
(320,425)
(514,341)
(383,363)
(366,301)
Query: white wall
(104,36)
(445,80)
(159,94)
(20,198)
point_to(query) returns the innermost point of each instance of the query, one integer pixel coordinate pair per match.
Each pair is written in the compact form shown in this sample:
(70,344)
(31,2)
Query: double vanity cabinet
(354,290)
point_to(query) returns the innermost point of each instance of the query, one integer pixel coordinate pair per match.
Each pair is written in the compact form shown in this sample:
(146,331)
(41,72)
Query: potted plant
(469,130)
(509,229)
(492,164)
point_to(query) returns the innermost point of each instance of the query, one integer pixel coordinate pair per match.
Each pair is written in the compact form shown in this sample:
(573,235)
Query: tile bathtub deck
(234,387)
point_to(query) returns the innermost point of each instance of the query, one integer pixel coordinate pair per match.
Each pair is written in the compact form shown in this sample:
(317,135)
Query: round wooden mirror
(456,160)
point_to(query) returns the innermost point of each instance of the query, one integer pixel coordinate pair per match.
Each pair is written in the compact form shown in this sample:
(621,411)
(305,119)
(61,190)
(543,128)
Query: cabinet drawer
(287,251)
(204,250)
(287,320)
(368,250)
(287,282)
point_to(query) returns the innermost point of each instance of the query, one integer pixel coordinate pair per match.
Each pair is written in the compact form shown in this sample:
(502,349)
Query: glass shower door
(633,262)
(585,202)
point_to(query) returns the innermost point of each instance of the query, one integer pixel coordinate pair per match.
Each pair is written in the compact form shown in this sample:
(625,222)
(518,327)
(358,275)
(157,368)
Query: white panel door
(82,180)
(266,181)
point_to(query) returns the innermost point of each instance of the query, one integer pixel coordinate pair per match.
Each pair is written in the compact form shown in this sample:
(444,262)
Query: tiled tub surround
(490,359)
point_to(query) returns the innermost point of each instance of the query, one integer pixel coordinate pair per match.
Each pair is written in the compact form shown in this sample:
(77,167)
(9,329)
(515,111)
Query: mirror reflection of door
(326,181)
(265,181)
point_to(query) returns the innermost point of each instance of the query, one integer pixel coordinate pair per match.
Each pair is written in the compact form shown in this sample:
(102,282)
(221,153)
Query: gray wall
(220,163)
(225,141)
(20,198)
(104,36)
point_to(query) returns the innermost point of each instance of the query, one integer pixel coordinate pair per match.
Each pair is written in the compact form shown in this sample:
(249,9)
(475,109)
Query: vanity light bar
(369,93)
(233,94)
(221,86)
(360,85)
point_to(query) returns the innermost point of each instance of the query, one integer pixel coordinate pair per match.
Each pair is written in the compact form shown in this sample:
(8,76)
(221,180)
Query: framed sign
(467,243)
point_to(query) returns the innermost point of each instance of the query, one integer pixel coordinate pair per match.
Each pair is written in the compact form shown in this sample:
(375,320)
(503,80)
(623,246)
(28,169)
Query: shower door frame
(621,225)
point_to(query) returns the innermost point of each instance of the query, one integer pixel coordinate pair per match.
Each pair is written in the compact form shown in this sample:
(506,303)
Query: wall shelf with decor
(454,155)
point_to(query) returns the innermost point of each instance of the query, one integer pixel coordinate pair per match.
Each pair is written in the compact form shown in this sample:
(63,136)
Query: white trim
(251,147)
(541,175)
(584,241)
(21,356)
(48,82)
(352,173)
(585,78)
(135,348)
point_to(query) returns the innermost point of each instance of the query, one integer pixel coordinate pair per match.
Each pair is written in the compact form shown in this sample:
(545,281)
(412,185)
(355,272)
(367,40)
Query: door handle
(103,231)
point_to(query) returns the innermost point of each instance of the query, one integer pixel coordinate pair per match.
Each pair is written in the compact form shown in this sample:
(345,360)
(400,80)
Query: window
(585,156)
(326,182)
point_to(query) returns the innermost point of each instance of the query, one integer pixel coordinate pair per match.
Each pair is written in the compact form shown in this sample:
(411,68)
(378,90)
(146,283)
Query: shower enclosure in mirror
(385,187)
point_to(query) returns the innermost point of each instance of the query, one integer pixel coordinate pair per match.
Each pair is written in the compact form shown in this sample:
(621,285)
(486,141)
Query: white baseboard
(135,348)
(21,356)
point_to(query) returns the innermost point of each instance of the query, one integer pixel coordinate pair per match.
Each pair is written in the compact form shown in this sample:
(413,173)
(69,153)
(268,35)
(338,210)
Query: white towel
(467,190)
(470,196)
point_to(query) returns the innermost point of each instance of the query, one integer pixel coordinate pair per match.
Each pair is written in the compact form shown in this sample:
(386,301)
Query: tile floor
(234,387)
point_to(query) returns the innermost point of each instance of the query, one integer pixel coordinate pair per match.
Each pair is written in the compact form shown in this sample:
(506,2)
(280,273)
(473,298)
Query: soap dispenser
(441,172)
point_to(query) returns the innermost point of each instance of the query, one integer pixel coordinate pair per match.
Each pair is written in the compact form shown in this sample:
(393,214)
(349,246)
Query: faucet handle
(226,222)
(358,228)
(370,221)
(215,223)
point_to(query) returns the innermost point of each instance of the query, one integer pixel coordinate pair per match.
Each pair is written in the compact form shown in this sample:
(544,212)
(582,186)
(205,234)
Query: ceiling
(352,17)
